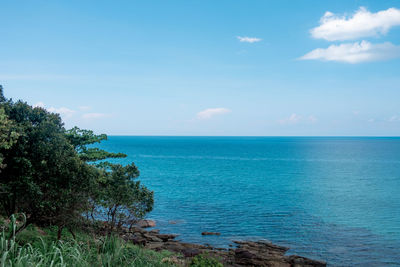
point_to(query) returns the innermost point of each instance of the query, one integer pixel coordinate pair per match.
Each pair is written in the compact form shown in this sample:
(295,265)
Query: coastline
(242,253)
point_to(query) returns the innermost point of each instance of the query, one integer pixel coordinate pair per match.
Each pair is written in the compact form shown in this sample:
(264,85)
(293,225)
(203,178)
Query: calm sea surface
(334,199)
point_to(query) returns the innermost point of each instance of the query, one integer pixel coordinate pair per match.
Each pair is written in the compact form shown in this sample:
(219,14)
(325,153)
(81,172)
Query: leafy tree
(117,197)
(54,175)
(123,200)
(80,139)
(43,175)
(8,133)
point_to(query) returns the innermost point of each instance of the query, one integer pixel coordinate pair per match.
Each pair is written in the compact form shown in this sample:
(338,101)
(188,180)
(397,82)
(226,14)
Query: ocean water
(330,198)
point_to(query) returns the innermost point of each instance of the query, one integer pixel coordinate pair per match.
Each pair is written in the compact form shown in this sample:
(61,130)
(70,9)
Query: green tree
(123,200)
(8,134)
(55,176)
(118,198)
(81,139)
(43,175)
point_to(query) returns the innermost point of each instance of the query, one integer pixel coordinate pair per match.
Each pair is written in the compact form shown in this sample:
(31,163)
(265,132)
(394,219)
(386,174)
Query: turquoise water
(335,199)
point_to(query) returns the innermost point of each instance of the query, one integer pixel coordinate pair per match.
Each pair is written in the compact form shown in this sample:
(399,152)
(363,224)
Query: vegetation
(60,171)
(31,248)
(62,182)
(205,261)
(61,202)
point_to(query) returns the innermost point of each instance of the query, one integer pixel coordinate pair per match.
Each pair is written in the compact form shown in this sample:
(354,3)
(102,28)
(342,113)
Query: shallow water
(330,198)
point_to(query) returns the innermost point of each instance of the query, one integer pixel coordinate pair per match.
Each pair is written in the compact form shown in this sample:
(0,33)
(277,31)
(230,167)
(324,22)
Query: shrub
(204,260)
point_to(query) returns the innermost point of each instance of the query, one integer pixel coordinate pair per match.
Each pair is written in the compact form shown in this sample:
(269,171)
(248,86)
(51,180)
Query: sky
(242,68)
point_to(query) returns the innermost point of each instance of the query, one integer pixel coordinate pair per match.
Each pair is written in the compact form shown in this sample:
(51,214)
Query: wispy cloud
(355,52)
(246,39)
(211,112)
(394,118)
(84,108)
(39,105)
(361,24)
(63,111)
(89,116)
(295,118)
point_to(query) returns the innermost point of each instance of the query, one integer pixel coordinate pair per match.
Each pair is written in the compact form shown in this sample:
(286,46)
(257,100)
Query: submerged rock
(210,233)
(246,253)
(146,223)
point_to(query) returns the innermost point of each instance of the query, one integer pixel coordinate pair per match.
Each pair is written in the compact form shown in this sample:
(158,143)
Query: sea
(335,199)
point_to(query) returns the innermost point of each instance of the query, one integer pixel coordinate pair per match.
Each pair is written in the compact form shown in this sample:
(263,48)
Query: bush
(101,251)
(205,261)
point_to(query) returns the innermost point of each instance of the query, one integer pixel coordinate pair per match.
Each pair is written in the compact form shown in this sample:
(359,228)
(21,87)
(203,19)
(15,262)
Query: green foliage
(205,261)
(122,200)
(8,134)
(43,251)
(44,176)
(80,139)
(53,175)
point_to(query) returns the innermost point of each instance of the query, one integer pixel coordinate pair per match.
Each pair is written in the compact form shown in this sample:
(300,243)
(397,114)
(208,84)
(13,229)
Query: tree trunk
(59,232)
(72,233)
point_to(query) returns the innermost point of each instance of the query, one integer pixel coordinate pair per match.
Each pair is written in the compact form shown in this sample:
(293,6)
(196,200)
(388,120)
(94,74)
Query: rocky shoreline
(244,253)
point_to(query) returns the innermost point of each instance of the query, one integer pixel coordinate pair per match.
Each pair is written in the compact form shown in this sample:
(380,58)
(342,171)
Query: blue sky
(207,67)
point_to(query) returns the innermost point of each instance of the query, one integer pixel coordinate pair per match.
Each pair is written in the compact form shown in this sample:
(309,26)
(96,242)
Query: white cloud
(89,116)
(63,111)
(246,39)
(355,52)
(211,112)
(295,118)
(39,105)
(84,108)
(361,24)
(394,118)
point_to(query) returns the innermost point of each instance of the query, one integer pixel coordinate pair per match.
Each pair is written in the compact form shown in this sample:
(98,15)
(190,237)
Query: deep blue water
(331,198)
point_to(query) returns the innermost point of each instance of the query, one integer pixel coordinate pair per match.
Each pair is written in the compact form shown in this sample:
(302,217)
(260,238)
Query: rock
(165,237)
(137,230)
(154,231)
(210,233)
(246,253)
(191,252)
(152,238)
(137,240)
(155,245)
(301,261)
(176,221)
(146,223)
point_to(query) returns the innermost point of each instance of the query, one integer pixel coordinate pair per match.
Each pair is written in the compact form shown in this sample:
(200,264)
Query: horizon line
(376,136)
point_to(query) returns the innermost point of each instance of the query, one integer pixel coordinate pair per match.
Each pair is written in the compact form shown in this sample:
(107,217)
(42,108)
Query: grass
(34,247)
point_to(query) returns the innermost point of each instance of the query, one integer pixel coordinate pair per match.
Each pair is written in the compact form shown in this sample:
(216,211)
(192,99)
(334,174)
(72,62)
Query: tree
(8,133)
(117,197)
(123,200)
(81,139)
(43,176)
(54,175)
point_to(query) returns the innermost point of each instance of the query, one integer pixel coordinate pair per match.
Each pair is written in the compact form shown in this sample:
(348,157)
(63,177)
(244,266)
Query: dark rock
(152,238)
(301,261)
(165,237)
(146,223)
(137,230)
(191,252)
(137,240)
(154,231)
(155,245)
(247,253)
(210,233)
